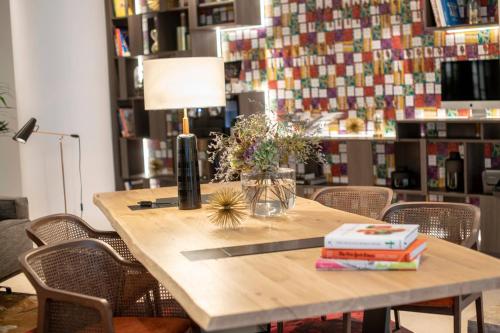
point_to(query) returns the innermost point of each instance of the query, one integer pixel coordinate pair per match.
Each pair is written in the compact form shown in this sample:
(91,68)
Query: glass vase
(270,193)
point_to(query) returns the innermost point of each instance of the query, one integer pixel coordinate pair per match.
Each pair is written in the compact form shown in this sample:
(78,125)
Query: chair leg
(397,322)
(457,315)
(480,314)
(280,327)
(346,322)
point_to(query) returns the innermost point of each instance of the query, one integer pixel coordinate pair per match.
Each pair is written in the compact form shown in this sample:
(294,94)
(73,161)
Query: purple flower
(247,155)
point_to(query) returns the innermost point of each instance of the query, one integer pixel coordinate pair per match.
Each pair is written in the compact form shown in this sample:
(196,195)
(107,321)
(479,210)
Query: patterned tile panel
(352,56)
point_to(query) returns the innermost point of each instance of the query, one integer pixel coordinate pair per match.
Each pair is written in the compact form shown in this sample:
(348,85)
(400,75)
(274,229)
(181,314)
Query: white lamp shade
(177,83)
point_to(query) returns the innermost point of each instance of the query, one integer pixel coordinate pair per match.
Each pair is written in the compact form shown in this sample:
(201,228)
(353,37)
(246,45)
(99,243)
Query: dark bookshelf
(161,127)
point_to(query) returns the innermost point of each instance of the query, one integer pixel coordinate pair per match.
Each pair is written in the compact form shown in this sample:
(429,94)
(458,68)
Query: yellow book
(120,8)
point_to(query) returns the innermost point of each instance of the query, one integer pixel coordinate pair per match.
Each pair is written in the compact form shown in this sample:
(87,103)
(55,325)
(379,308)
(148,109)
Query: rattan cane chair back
(368,201)
(454,222)
(55,228)
(82,284)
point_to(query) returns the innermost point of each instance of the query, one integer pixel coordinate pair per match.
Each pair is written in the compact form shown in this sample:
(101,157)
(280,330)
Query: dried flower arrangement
(255,151)
(259,145)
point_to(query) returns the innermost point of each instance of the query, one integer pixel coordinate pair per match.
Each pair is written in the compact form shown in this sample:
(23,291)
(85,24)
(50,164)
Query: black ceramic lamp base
(188,176)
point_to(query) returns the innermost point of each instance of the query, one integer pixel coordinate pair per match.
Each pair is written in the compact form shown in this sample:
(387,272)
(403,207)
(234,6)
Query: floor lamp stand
(61,152)
(61,138)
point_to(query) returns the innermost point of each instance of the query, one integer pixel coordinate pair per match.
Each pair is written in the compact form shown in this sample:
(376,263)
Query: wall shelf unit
(369,162)
(144,142)
(225,14)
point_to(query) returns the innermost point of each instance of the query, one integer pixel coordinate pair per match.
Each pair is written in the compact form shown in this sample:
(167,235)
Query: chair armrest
(116,242)
(21,205)
(99,305)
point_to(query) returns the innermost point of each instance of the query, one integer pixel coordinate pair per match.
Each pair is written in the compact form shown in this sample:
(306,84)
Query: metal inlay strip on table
(165,203)
(252,249)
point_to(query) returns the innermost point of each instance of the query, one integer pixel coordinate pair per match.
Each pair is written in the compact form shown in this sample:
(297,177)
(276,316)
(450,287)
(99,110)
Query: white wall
(10,170)
(61,75)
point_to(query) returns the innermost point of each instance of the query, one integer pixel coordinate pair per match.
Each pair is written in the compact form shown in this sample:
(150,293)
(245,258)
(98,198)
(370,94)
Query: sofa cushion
(7,209)
(13,242)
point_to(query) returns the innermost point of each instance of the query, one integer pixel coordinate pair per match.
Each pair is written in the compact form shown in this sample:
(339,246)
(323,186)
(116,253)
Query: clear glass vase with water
(269,193)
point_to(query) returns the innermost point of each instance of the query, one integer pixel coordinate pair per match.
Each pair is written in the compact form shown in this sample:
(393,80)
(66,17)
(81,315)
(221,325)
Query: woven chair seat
(150,325)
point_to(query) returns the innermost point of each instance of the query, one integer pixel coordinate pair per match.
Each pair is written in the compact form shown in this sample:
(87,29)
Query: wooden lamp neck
(185,123)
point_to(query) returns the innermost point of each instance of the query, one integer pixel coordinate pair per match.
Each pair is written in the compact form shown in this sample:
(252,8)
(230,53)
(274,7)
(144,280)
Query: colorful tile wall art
(384,162)
(437,153)
(358,57)
(335,170)
(491,156)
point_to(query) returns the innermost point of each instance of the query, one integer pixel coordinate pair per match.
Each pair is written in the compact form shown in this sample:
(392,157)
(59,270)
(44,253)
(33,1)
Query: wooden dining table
(264,270)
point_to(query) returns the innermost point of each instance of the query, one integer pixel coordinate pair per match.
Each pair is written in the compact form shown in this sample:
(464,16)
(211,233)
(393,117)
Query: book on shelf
(407,255)
(372,236)
(145,36)
(451,12)
(141,6)
(375,265)
(447,12)
(127,122)
(437,10)
(122,8)
(121,45)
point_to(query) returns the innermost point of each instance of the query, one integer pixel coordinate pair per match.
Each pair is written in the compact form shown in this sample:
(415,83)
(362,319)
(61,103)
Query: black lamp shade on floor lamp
(29,128)
(25,132)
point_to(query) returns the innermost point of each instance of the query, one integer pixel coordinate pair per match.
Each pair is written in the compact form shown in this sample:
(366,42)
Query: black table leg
(377,321)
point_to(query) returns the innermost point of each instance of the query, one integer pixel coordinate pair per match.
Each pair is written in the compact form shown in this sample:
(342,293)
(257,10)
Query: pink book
(370,265)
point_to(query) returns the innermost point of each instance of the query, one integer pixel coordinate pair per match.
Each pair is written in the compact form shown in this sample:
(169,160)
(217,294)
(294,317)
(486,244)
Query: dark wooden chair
(454,222)
(368,201)
(55,228)
(84,286)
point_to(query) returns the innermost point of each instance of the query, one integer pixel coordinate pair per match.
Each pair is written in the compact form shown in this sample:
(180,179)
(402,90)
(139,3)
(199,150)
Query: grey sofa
(13,240)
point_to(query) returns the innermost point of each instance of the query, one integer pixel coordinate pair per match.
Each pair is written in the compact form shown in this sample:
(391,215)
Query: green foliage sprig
(259,145)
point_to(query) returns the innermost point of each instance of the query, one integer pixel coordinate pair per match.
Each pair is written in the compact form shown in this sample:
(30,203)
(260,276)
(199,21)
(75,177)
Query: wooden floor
(418,323)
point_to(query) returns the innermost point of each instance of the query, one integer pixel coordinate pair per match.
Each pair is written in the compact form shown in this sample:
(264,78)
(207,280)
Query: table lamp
(182,83)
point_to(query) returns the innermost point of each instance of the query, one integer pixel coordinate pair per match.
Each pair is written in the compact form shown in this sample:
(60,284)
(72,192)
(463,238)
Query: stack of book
(372,247)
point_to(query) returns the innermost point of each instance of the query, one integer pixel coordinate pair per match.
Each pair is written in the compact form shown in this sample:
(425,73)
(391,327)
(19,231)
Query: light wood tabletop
(254,289)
